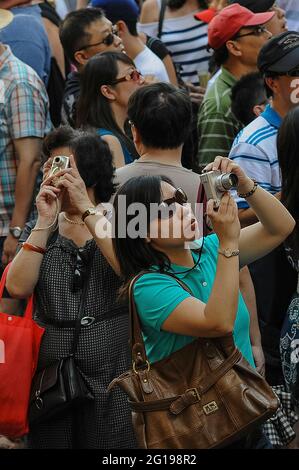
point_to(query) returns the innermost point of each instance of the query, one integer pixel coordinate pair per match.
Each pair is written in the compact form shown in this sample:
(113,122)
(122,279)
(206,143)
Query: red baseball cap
(228,22)
(206,15)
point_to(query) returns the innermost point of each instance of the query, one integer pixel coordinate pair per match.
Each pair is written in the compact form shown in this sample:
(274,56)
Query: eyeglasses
(135,75)
(256,32)
(79,272)
(164,211)
(108,41)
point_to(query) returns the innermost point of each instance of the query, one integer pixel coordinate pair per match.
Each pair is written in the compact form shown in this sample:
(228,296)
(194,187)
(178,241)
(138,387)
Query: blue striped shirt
(255,150)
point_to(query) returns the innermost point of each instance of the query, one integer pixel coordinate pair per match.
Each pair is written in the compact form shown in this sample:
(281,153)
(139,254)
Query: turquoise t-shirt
(157,295)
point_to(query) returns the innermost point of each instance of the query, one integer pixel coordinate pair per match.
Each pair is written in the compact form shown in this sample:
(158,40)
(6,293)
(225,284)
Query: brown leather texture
(203,396)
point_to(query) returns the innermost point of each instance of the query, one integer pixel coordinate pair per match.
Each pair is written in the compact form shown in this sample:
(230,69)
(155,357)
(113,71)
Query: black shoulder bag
(61,385)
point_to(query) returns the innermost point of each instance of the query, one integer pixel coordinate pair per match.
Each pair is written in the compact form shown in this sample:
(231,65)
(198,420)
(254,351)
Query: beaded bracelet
(246,195)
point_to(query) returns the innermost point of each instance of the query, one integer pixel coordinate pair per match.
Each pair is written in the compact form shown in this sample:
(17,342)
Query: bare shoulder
(149,12)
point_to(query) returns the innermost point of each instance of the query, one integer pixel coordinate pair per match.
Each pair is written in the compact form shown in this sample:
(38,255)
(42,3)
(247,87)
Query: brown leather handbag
(203,396)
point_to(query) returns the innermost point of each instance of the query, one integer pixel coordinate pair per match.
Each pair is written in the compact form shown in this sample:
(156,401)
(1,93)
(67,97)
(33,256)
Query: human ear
(106,91)
(81,57)
(233,48)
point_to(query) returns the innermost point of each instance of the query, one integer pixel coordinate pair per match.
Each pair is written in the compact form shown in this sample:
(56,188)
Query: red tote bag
(20,339)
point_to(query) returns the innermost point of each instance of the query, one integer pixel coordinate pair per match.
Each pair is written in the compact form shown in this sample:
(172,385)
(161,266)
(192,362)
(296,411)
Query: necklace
(71,221)
(197,262)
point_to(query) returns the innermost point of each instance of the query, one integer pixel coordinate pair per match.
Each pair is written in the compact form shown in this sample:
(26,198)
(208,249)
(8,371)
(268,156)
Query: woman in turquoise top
(107,82)
(170,316)
(156,240)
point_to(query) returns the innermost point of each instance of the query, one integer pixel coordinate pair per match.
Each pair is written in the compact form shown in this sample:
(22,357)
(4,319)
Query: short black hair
(93,158)
(162,114)
(221,55)
(269,92)
(247,93)
(60,137)
(72,31)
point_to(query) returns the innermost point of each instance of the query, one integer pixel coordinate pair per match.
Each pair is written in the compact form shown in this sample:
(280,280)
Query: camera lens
(57,159)
(227,181)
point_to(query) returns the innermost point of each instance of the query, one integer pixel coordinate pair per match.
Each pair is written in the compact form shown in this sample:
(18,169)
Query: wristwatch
(229,253)
(92,211)
(15,232)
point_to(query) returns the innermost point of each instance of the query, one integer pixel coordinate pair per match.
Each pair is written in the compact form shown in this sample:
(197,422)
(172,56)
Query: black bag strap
(81,309)
(161,17)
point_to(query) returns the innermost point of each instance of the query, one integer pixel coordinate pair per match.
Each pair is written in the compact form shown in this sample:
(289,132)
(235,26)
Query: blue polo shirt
(255,150)
(157,295)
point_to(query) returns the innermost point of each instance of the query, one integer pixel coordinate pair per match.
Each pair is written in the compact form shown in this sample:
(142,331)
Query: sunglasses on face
(135,75)
(108,41)
(256,32)
(164,210)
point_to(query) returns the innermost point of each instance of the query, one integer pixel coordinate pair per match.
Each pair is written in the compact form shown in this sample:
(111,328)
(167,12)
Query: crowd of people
(141,98)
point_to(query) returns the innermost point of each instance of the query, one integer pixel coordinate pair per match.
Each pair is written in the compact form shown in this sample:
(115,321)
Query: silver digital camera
(61,162)
(216,184)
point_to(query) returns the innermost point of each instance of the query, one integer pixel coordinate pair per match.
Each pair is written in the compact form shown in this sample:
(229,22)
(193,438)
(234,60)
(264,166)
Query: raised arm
(275,222)
(217,317)
(24,271)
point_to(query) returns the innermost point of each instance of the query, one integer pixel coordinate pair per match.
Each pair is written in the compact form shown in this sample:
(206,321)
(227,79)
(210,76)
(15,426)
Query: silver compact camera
(216,184)
(59,163)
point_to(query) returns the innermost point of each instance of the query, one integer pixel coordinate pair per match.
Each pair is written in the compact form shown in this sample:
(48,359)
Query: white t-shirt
(149,64)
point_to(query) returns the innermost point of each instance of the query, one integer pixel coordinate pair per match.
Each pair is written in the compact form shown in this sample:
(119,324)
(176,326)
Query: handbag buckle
(147,365)
(194,392)
(87,321)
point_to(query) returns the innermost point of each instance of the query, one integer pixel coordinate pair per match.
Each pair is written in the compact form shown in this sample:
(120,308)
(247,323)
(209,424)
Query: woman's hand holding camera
(47,204)
(75,186)
(225,221)
(225,165)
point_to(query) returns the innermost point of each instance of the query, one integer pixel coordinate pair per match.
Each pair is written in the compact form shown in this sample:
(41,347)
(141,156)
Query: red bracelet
(37,249)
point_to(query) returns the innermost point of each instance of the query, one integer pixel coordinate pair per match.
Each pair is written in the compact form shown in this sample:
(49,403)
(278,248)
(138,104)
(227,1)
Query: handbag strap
(81,310)
(29,307)
(161,18)
(139,356)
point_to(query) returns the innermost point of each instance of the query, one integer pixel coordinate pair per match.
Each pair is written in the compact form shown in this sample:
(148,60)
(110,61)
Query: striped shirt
(217,126)
(186,39)
(255,150)
(23,113)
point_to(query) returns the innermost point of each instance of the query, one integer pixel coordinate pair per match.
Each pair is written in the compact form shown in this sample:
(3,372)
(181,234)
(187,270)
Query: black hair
(162,114)
(73,30)
(176,4)
(221,55)
(60,137)
(92,155)
(95,165)
(269,92)
(288,151)
(248,92)
(93,109)
(136,254)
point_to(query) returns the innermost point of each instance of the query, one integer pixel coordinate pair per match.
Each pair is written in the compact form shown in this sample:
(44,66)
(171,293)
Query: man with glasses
(83,34)
(236,34)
